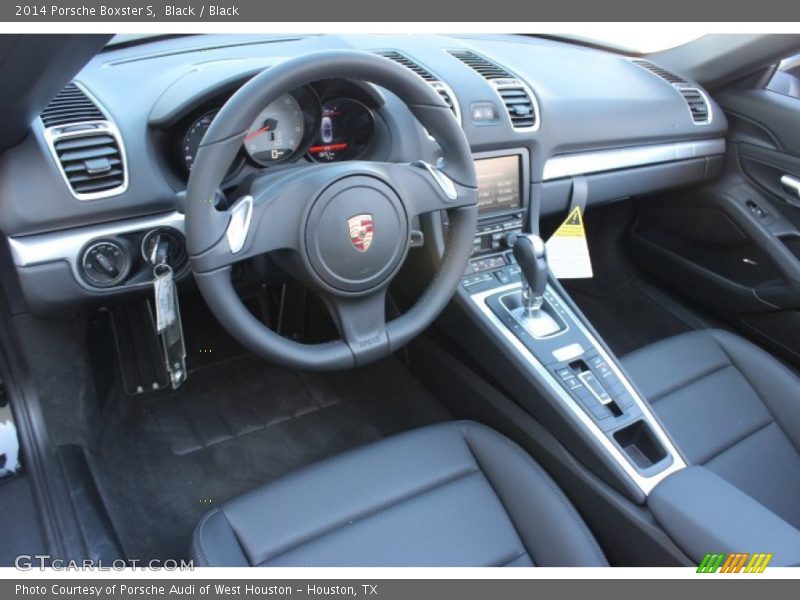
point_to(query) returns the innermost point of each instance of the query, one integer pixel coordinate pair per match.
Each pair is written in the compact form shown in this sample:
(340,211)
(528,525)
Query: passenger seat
(731,407)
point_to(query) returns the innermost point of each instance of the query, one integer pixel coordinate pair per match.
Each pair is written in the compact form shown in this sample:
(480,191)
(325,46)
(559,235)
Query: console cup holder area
(640,444)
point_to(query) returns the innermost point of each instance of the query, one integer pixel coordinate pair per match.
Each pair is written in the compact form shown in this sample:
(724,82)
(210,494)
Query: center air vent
(694,97)
(440,86)
(518,99)
(85,144)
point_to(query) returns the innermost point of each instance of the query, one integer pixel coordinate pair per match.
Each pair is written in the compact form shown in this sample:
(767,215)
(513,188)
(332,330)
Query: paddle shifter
(529,250)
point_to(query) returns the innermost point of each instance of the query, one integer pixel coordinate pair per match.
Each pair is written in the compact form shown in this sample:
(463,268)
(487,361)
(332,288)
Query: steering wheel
(343,228)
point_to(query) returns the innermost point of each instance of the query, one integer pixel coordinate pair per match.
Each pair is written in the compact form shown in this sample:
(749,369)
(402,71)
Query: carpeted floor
(166,460)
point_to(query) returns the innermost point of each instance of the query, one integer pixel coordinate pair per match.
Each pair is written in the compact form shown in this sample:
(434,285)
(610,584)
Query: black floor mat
(164,462)
(629,317)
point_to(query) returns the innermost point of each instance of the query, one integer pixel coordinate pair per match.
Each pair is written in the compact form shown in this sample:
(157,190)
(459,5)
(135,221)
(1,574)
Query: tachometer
(345,131)
(277,132)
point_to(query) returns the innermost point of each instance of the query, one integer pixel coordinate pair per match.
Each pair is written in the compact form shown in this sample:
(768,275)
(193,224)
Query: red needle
(256,133)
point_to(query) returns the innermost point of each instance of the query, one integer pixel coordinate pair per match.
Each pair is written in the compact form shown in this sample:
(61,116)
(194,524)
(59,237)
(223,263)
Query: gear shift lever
(529,250)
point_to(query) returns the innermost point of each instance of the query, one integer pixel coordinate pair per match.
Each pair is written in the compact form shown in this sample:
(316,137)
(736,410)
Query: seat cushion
(453,494)
(731,407)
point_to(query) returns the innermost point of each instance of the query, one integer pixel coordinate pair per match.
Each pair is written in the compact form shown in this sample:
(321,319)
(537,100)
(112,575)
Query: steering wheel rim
(311,234)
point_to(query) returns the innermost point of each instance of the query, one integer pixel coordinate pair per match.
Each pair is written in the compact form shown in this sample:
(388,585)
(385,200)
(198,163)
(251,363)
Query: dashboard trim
(67,245)
(597,161)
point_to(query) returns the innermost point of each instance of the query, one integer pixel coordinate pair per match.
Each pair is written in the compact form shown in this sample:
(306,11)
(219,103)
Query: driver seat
(453,494)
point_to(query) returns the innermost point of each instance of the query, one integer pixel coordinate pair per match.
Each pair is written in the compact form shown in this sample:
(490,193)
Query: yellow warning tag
(567,249)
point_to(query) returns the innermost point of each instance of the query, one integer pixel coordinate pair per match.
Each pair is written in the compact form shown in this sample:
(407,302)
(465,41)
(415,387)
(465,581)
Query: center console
(506,285)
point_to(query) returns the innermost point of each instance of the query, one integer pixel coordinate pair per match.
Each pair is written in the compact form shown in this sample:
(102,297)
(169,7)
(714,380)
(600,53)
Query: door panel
(734,245)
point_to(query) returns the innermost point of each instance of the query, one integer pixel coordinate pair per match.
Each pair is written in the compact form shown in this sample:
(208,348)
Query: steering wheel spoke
(362,323)
(426,188)
(269,217)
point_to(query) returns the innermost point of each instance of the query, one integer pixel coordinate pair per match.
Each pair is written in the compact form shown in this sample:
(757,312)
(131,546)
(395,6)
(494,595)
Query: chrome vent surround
(438,85)
(517,98)
(85,144)
(695,98)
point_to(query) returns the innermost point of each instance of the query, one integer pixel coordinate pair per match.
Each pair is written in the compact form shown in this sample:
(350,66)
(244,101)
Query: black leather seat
(455,494)
(731,407)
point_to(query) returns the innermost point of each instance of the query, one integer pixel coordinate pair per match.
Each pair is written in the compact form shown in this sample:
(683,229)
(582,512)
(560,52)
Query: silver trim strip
(239,225)
(445,183)
(62,132)
(792,183)
(597,161)
(646,484)
(67,245)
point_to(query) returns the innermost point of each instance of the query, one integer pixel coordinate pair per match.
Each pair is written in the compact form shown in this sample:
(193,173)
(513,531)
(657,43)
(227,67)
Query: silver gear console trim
(644,483)
(597,161)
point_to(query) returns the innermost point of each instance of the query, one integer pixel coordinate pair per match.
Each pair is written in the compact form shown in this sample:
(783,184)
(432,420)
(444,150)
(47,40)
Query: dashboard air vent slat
(517,98)
(486,68)
(92,163)
(666,75)
(697,104)
(441,88)
(71,105)
(398,57)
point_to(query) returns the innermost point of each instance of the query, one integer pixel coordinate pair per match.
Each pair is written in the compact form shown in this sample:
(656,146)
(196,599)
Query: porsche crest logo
(360,228)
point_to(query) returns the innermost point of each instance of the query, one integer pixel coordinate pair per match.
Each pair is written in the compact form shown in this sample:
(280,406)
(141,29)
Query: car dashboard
(102,172)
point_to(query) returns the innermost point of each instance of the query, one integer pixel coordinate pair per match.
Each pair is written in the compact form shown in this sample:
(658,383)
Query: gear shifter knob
(529,250)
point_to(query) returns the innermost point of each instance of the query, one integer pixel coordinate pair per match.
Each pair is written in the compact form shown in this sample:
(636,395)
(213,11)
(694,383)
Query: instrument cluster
(300,124)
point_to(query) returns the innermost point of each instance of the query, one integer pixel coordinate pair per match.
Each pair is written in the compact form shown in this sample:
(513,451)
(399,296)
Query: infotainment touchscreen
(498,183)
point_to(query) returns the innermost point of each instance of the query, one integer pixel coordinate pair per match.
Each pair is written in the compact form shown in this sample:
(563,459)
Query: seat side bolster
(775,384)
(549,526)
(214,543)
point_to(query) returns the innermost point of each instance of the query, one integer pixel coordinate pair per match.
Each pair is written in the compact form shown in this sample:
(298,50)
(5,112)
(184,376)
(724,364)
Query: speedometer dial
(277,132)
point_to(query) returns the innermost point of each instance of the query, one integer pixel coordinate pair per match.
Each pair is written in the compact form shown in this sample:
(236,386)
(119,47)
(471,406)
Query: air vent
(408,63)
(517,97)
(667,76)
(92,163)
(694,97)
(71,105)
(698,105)
(441,87)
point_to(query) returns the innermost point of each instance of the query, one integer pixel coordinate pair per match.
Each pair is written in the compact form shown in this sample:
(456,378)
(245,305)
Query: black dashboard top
(581,100)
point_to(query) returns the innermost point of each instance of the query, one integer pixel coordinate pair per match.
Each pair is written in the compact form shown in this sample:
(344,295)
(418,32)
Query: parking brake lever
(529,251)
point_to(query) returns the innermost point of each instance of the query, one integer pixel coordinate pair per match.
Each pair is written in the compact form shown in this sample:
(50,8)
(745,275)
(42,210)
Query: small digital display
(498,183)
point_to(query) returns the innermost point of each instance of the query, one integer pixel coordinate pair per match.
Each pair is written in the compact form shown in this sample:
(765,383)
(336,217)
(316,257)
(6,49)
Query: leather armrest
(704,513)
